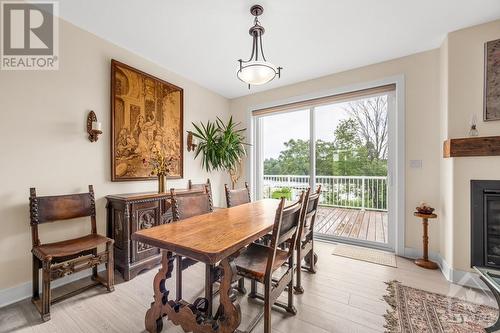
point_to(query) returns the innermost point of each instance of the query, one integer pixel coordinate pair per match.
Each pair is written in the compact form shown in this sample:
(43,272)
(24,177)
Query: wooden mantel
(473,146)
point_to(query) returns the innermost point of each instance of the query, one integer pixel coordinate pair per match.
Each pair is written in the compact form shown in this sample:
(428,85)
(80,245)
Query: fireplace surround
(485,223)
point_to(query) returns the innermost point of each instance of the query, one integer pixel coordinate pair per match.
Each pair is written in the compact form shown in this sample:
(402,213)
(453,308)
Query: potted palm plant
(221,146)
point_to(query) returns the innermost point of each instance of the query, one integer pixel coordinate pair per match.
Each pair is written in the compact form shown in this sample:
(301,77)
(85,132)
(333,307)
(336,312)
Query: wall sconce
(191,142)
(93,127)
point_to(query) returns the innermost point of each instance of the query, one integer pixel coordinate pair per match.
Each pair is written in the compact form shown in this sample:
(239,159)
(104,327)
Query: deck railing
(361,192)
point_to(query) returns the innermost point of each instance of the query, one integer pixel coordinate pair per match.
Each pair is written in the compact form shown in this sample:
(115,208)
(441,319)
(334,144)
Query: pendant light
(257,70)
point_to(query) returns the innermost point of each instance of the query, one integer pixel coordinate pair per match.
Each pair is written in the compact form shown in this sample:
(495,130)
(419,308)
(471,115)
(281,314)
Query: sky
(280,128)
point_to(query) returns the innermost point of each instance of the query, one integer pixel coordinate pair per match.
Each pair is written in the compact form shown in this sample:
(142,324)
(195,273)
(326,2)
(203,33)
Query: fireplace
(485,223)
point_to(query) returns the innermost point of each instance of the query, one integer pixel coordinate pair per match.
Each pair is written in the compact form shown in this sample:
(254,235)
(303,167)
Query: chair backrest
(286,229)
(191,204)
(237,197)
(60,207)
(200,186)
(312,208)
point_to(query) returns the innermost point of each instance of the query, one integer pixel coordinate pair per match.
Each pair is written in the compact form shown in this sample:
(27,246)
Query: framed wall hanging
(146,117)
(492,80)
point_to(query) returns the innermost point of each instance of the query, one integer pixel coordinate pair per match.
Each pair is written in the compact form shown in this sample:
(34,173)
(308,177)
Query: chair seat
(253,261)
(69,247)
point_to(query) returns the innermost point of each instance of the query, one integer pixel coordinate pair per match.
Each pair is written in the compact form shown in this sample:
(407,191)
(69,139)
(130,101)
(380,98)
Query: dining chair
(183,207)
(66,257)
(200,186)
(271,265)
(237,197)
(305,243)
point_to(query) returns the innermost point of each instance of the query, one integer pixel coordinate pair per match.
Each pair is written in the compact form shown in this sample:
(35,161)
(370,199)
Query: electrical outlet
(416,164)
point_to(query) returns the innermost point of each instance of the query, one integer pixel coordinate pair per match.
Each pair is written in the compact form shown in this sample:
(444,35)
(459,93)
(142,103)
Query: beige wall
(44,143)
(465,97)
(421,72)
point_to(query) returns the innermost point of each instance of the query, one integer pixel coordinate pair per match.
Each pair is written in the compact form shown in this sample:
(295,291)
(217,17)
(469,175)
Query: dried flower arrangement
(160,165)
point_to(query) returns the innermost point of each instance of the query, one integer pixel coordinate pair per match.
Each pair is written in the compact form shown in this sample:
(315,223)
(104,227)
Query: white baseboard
(462,278)
(24,290)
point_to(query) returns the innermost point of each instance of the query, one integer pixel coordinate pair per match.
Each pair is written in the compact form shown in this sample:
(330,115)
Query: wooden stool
(425,262)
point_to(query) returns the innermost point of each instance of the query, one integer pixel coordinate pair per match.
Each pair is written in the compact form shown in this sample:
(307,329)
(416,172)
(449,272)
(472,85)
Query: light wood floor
(352,223)
(344,296)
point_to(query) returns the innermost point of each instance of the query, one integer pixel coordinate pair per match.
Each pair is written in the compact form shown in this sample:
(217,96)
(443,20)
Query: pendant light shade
(257,70)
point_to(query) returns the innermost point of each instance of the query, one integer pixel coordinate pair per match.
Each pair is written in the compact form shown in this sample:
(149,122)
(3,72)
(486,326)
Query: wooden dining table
(215,238)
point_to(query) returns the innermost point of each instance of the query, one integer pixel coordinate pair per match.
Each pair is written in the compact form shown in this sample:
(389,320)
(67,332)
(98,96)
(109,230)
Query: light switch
(416,164)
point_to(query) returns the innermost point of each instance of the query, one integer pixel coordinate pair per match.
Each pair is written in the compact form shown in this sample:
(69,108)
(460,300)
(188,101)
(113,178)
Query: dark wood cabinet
(127,213)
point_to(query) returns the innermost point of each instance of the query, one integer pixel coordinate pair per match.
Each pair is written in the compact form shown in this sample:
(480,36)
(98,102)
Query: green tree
(325,164)
(272,166)
(346,145)
(346,135)
(295,157)
(359,147)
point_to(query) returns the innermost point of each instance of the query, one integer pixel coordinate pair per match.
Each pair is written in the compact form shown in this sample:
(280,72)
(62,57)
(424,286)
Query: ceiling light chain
(257,71)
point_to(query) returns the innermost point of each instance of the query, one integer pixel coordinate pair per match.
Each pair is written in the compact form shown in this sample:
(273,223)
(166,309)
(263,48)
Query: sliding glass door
(342,146)
(351,167)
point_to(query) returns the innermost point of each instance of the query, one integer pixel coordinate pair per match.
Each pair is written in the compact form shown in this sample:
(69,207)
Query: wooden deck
(352,223)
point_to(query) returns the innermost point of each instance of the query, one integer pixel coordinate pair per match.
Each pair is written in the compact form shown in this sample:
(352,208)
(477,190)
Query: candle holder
(473,126)
(191,141)
(93,127)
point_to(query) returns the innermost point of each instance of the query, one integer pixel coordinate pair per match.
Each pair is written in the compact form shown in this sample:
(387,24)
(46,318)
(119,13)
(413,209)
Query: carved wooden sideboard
(127,213)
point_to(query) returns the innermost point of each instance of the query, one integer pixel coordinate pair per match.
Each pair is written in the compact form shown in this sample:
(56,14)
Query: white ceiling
(202,40)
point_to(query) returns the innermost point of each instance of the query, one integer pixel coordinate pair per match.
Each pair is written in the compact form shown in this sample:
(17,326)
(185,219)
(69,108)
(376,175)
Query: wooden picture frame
(491,103)
(146,115)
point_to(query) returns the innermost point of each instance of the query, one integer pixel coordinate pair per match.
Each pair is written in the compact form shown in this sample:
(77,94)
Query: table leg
(496,326)
(154,315)
(229,312)
(190,316)
(209,286)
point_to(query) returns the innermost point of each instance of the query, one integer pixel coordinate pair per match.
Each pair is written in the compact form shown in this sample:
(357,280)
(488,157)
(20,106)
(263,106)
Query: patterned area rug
(365,254)
(419,311)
